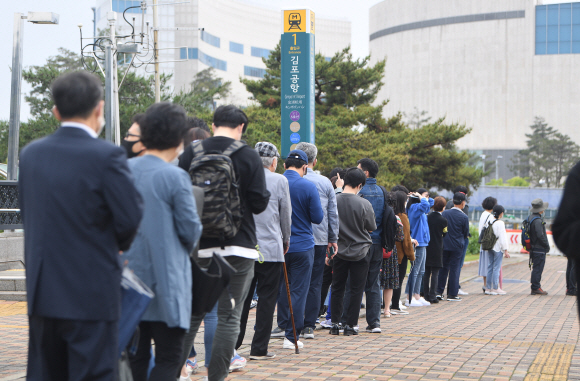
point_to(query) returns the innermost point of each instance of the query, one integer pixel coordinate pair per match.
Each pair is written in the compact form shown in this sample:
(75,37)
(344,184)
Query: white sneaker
(401,306)
(399,312)
(461,292)
(424,302)
(290,345)
(494,292)
(406,304)
(416,303)
(355,328)
(501,292)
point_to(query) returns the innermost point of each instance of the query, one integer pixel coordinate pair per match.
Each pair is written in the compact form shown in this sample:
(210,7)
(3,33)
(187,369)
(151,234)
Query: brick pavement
(511,337)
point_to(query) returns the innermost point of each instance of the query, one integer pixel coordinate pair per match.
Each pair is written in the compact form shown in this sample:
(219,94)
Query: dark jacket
(388,224)
(538,234)
(437,230)
(79,208)
(458,230)
(566,227)
(450,205)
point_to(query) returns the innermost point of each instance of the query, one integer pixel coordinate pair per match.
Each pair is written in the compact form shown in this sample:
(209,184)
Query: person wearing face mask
(80,208)
(132,141)
(169,231)
(356,222)
(306,210)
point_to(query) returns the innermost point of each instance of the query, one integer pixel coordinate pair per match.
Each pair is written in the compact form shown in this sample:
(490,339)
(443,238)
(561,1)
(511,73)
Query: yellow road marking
(11,309)
(551,363)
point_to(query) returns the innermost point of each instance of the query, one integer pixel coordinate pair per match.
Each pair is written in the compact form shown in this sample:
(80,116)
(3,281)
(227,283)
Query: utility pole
(14,126)
(94,27)
(109,94)
(497,166)
(156,51)
(115,138)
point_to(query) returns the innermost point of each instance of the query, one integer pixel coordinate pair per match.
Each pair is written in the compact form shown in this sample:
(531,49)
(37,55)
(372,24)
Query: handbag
(208,284)
(387,254)
(135,298)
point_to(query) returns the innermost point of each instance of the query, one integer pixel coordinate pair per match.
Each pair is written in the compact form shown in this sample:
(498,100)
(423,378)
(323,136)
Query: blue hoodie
(418,221)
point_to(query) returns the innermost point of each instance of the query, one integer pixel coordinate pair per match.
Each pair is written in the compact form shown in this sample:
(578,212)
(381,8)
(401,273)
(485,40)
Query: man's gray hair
(267,161)
(309,149)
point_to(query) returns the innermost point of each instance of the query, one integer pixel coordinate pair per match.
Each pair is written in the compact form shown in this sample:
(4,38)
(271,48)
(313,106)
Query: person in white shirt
(499,250)
(485,219)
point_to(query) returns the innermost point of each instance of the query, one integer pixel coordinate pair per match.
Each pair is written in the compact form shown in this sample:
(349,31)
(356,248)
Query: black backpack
(489,238)
(526,237)
(222,206)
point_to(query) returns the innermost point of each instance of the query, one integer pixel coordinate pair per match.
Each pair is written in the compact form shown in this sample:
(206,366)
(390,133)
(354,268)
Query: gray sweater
(273,224)
(356,219)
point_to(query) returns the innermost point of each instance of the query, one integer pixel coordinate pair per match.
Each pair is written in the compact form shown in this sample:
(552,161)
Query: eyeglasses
(128,135)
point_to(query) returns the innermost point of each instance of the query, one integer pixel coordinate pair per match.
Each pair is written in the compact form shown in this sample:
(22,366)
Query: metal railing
(10,217)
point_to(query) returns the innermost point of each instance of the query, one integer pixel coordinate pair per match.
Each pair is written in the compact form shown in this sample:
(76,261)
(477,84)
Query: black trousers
(61,349)
(267,276)
(397,292)
(341,270)
(326,283)
(430,281)
(539,260)
(168,348)
(571,276)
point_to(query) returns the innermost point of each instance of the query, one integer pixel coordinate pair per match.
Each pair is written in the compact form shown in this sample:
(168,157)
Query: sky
(42,41)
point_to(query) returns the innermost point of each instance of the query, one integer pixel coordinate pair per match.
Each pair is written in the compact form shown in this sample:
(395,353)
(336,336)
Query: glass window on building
(260,52)
(120,6)
(213,62)
(558,28)
(236,48)
(210,39)
(188,53)
(254,71)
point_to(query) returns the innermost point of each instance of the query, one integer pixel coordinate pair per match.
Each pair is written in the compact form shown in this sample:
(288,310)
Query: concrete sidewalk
(516,336)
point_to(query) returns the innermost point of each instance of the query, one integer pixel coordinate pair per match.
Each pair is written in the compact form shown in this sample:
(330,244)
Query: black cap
(458,198)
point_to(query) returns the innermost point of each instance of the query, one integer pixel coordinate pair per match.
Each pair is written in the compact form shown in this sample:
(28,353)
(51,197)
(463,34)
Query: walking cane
(291,312)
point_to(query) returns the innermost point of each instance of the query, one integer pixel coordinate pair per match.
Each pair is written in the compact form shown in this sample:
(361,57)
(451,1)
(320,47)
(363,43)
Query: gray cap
(538,205)
(266,149)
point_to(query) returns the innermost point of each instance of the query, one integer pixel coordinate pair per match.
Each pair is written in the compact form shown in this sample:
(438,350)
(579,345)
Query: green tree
(548,157)
(350,125)
(518,182)
(136,94)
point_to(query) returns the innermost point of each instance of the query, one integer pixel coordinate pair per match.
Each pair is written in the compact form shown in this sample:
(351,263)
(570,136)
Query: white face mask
(101,124)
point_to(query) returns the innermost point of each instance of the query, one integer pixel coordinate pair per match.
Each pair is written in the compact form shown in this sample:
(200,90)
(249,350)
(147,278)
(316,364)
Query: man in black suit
(434,261)
(79,208)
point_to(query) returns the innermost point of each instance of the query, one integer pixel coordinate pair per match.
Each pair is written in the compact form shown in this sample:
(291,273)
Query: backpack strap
(234,147)
(198,149)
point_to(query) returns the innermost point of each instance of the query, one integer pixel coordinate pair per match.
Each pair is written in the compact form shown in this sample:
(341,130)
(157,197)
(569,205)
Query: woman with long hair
(486,217)
(389,275)
(500,249)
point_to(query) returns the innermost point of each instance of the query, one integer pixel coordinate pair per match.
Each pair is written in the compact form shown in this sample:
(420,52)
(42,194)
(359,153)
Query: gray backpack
(222,207)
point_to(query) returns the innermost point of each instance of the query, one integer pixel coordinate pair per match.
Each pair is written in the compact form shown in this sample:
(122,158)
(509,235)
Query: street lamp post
(483,162)
(16,83)
(497,166)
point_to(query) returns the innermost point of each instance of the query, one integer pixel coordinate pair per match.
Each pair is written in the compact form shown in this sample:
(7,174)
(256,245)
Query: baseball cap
(459,197)
(298,154)
(266,149)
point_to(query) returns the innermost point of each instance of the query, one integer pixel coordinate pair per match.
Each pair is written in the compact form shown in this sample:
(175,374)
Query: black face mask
(129,148)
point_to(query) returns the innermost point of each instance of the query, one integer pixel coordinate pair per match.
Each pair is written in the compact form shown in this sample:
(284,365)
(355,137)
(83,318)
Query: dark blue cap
(298,154)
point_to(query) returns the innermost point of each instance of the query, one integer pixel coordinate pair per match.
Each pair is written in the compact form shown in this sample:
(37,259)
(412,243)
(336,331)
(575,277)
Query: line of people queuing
(344,237)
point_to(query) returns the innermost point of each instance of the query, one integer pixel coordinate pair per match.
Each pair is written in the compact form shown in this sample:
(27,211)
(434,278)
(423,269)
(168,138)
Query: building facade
(235,38)
(493,65)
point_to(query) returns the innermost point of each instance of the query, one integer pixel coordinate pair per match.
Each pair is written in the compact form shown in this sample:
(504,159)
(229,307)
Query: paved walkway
(511,337)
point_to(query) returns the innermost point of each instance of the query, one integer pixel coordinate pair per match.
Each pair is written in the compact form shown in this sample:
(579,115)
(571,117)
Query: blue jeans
(299,268)
(451,267)
(312,308)
(495,259)
(417,272)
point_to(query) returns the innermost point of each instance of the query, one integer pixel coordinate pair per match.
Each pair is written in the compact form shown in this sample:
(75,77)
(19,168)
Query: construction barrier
(515,244)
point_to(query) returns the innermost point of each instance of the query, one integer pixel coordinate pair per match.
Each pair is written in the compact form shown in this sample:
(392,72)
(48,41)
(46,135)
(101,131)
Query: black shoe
(453,298)
(335,330)
(349,331)
(433,301)
(362,305)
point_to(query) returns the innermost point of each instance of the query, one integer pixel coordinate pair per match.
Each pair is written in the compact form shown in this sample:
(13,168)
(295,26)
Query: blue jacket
(374,194)
(418,220)
(457,230)
(306,210)
(170,229)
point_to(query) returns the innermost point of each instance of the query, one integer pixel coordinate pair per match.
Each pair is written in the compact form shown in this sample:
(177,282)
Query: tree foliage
(350,126)
(549,157)
(136,94)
